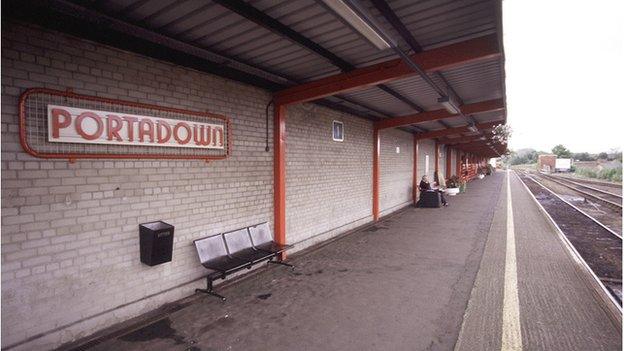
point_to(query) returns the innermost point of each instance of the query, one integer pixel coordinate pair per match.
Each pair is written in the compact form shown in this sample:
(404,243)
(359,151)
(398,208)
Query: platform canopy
(317,51)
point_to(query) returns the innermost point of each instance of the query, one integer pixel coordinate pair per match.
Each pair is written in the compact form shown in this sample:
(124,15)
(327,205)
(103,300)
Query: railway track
(599,247)
(596,183)
(609,199)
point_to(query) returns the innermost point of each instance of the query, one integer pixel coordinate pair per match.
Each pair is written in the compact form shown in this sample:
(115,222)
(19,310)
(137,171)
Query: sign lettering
(77,125)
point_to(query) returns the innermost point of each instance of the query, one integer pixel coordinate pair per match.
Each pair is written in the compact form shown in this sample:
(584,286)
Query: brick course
(395,181)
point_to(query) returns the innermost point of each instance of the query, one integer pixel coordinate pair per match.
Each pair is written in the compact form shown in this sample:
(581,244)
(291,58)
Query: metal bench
(233,251)
(262,239)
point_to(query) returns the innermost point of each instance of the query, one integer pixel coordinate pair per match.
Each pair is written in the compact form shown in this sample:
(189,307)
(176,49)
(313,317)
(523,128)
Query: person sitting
(426,186)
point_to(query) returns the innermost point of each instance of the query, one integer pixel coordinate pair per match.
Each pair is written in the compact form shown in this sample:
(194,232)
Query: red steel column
(376,174)
(447,171)
(415,172)
(279,175)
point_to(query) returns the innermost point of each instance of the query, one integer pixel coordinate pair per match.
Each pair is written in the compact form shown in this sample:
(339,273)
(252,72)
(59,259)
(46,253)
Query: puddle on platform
(264,296)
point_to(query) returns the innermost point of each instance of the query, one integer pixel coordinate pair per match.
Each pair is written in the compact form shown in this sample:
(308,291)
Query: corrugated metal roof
(476,82)
(433,23)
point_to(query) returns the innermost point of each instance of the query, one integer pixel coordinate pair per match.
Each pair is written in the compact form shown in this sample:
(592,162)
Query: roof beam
(262,19)
(482,146)
(384,8)
(478,107)
(460,140)
(88,23)
(450,56)
(457,130)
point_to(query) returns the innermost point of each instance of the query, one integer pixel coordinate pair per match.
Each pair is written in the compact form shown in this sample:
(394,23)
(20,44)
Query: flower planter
(452,191)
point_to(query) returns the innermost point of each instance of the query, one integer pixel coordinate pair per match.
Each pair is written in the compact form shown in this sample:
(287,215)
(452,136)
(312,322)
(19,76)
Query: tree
(603,156)
(583,156)
(561,151)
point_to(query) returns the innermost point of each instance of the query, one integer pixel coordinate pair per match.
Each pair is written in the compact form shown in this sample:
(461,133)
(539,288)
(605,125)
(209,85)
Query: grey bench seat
(233,251)
(262,239)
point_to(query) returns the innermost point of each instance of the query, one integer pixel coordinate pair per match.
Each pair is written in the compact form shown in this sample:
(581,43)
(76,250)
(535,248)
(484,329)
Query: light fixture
(353,14)
(449,105)
(472,127)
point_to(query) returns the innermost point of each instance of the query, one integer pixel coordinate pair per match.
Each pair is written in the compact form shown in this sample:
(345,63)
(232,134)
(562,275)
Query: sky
(564,73)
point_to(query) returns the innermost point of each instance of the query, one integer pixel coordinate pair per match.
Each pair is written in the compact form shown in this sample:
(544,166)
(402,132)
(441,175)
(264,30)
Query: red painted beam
(279,175)
(460,140)
(446,57)
(376,146)
(478,107)
(478,143)
(457,130)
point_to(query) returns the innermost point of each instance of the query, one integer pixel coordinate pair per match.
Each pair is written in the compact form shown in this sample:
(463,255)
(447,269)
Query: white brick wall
(454,162)
(69,231)
(442,163)
(328,183)
(426,147)
(396,170)
(70,252)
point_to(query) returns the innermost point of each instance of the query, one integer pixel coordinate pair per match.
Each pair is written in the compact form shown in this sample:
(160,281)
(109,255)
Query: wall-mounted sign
(65,125)
(337,131)
(79,125)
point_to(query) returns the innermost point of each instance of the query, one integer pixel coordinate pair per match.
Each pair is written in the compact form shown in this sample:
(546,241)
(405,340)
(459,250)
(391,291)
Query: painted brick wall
(70,255)
(328,183)
(426,147)
(69,231)
(395,182)
(454,162)
(442,161)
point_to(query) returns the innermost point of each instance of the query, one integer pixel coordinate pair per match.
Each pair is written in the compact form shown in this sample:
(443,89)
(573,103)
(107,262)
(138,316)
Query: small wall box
(156,241)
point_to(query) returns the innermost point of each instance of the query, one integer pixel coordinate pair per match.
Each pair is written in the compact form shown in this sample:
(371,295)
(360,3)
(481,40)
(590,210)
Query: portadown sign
(87,126)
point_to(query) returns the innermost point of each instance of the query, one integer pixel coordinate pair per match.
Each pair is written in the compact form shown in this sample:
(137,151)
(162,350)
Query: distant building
(546,163)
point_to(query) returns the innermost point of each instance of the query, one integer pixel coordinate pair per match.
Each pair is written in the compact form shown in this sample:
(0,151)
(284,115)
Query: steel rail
(574,207)
(617,207)
(565,180)
(591,181)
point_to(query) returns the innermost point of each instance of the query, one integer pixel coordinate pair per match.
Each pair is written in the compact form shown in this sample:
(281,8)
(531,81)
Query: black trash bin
(156,241)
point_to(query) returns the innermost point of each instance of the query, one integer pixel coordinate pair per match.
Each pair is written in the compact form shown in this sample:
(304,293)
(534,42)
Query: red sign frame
(74,156)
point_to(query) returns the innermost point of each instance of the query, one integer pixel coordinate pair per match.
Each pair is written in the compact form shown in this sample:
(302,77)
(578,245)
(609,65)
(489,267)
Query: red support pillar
(415,172)
(447,171)
(376,146)
(279,175)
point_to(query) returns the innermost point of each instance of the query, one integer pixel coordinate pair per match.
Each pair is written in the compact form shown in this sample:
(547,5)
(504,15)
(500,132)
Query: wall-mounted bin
(156,240)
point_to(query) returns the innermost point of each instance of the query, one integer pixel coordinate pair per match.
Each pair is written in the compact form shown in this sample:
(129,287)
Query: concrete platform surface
(403,284)
(557,309)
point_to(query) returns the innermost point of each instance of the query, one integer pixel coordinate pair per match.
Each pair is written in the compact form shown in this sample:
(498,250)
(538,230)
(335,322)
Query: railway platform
(421,279)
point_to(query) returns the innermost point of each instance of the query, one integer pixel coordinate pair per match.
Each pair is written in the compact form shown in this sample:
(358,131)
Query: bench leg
(209,290)
(282,263)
